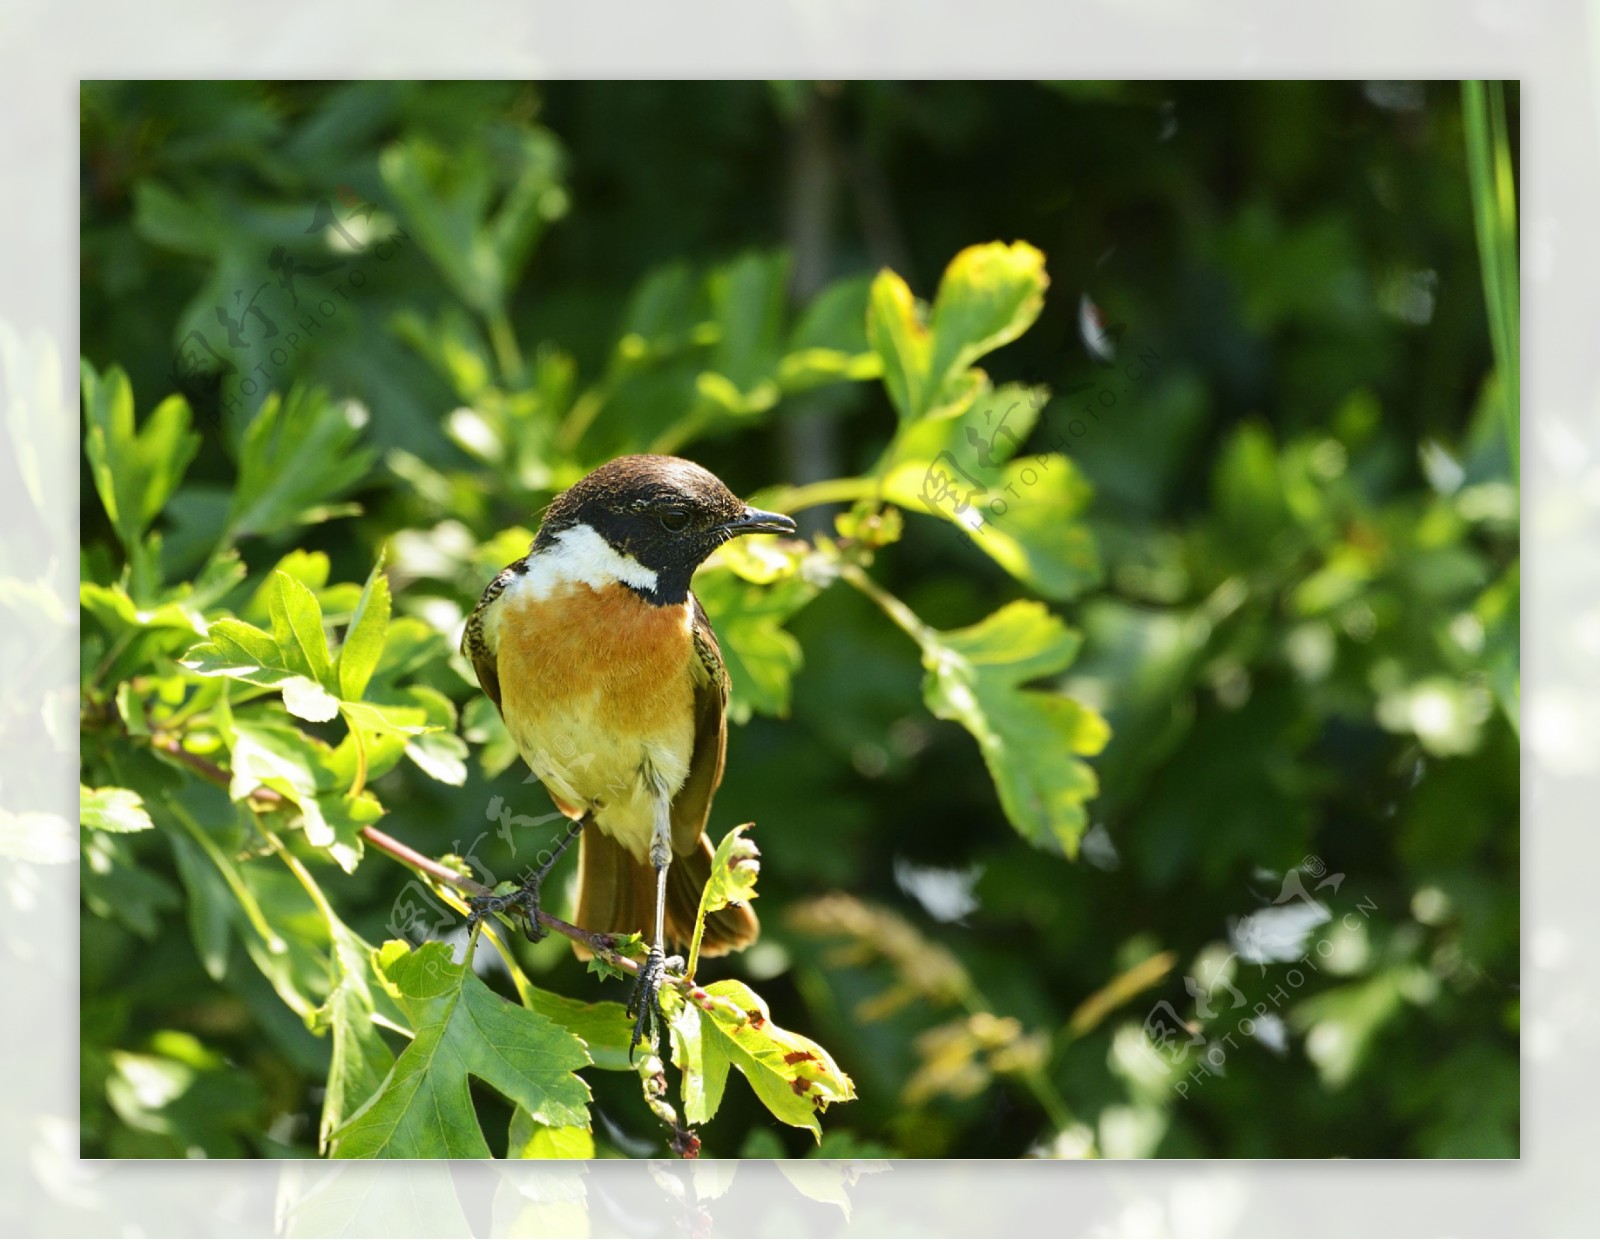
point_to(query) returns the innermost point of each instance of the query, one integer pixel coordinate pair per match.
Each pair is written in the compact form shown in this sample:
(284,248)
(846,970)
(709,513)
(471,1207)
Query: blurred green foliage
(1132,751)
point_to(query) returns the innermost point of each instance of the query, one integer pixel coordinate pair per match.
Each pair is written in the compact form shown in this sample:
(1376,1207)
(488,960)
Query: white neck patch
(580,554)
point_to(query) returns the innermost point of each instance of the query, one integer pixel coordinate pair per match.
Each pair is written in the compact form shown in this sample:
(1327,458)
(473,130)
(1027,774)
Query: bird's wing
(692,806)
(475,644)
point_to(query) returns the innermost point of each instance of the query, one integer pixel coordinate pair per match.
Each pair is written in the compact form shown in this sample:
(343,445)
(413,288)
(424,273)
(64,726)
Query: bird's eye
(674,520)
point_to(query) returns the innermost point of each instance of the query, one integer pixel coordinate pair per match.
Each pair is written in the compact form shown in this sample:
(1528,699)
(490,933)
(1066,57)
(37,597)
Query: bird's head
(658,516)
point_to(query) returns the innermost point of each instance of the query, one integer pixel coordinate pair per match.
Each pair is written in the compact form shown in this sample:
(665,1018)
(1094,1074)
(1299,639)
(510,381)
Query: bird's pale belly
(597,693)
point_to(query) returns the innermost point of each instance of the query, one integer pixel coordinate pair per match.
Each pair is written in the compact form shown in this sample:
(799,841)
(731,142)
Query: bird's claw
(645,1004)
(524,900)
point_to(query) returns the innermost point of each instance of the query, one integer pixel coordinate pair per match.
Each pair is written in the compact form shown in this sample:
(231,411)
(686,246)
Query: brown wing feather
(474,643)
(691,808)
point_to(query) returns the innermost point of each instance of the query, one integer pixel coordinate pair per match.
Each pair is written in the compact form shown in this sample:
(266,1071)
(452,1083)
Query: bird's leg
(645,1005)
(526,897)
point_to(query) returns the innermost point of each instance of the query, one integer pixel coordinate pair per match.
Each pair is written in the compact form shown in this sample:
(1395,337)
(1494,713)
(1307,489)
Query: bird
(608,676)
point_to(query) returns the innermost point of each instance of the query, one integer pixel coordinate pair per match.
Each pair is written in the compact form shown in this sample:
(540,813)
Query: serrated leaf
(1030,738)
(748,619)
(361,1059)
(734,868)
(697,1049)
(299,454)
(112,809)
(135,470)
(605,1028)
(1029,521)
(793,1076)
(477,209)
(989,295)
(463,1031)
(363,640)
(297,629)
(527,1139)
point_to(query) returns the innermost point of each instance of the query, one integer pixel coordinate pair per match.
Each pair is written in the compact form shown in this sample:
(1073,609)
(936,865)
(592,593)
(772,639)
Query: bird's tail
(617,895)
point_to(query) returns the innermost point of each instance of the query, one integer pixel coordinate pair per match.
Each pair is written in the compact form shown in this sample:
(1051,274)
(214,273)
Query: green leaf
(361,1059)
(734,868)
(135,472)
(112,809)
(303,770)
(441,754)
(463,1030)
(309,700)
(1029,737)
(698,1050)
(387,718)
(297,629)
(760,655)
(794,1077)
(299,454)
(528,1139)
(1029,521)
(989,295)
(239,651)
(478,208)
(605,1029)
(363,640)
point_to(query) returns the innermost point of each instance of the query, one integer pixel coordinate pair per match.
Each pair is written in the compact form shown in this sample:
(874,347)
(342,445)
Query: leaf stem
(892,607)
(506,353)
(602,945)
(360,780)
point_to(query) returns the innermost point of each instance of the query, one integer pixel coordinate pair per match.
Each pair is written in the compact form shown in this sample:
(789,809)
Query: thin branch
(602,945)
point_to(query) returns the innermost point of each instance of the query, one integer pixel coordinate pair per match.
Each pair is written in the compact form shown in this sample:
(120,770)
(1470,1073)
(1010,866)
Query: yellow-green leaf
(794,1077)
(734,868)
(1031,739)
(464,1031)
(363,640)
(112,809)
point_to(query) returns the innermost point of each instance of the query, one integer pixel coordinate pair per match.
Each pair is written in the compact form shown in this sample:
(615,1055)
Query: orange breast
(600,661)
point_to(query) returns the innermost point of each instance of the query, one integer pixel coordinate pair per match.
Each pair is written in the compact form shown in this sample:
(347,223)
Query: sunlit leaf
(363,640)
(1031,739)
(989,295)
(463,1031)
(528,1139)
(748,619)
(112,809)
(300,454)
(734,869)
(135,470)
(794,1077)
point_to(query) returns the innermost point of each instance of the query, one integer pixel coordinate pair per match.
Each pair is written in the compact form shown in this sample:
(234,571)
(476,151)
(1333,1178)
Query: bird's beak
(754,521)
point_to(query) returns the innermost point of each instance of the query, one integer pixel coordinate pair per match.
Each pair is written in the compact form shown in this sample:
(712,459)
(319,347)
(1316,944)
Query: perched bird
(610,681)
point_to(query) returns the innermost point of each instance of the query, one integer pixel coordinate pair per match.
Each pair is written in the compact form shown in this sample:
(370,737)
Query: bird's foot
(645,1004)
(523,901)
